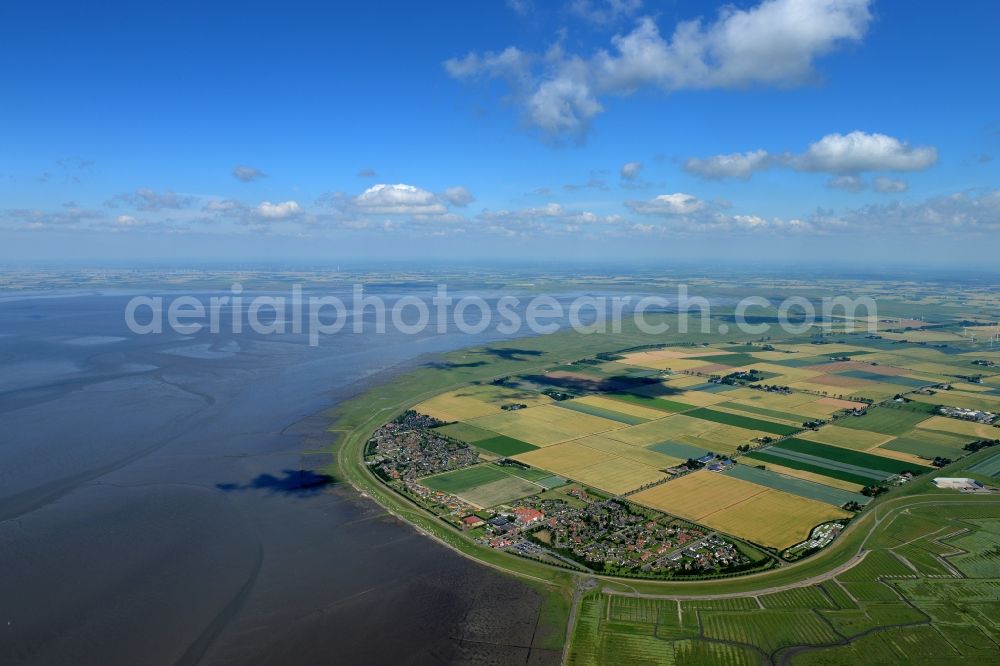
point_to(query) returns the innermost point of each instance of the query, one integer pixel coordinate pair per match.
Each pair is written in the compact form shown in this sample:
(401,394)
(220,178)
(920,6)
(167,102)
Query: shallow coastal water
(151,509)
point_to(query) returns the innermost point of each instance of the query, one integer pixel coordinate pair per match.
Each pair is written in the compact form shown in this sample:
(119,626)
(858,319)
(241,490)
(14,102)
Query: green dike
(356,419)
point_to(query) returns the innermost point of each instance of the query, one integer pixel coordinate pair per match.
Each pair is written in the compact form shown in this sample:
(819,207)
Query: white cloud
(458,196)
(734,165)
(842,155)
(848,183)
(128,221)
(630,170)
(279,211)
(146,199)
(399,199)
(858,151)
(773,43)
(884,184)
(667,204)
(604,11)
(247,174)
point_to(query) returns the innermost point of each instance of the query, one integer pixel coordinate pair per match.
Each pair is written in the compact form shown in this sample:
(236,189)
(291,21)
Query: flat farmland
(600,411)
(759,514)
(841,455)
(818,465)
(475,401)
(500,491)
(653,457)
(747,422)
(775,519)
(967,428)
(964,399)
(545,425)
(618,475)
(661,430)
(698,494)
(564,459)
(463,479)
(503,445)
(927,444)
(816,478)
(795,486)
(848,438)
(632,408)
(887,420)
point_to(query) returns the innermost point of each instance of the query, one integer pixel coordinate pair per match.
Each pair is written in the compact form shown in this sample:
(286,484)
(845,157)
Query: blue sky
(865,131)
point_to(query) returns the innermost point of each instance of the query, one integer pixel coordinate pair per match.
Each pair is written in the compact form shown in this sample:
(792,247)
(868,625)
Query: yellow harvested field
(899,455)
(661,430)
(617,476)
(699,494)
(620,406)
(837,404)
(639,454)
(762,515)
(545,425)
(474,401)
(740,412)
(679,352)
(683,381)
(647,360)
(698,398)
(924,336)
(816,478)
(563,459)
(974,388)
(847,438)
(945,424)
(774,518)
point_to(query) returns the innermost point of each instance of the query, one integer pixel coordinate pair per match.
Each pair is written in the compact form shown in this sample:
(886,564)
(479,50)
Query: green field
(885,420)
(464,479)
(682,632)
(747,422)
(928,444)
(465,432)
(503,445)
(649,401)
(800,487)
(988,467)
(600,411)
(814,467)
(848,456)
(761,411)
(678,450)
(500,491)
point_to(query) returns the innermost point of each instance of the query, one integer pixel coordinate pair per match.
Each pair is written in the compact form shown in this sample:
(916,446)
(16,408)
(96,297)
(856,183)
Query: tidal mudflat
(159,505)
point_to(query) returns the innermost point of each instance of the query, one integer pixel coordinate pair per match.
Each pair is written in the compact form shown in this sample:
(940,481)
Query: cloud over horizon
(775,43)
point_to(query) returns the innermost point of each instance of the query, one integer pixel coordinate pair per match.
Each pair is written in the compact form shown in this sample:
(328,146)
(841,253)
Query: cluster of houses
(976,415)
(606,535)
(404,450)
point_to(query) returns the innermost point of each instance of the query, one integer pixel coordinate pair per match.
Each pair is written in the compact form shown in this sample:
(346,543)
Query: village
(608,535)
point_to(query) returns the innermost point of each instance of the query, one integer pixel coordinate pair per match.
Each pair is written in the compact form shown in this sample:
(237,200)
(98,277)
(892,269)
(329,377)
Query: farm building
(953,483)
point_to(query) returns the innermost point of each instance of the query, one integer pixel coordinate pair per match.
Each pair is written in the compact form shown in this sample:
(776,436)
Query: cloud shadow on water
(293,482)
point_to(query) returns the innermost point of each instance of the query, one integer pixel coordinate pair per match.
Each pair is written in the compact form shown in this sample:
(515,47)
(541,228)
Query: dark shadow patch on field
(593,384)
(294,482)
(451,365)
(511,353)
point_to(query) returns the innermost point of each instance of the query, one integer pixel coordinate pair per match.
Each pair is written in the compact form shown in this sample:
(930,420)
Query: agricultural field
(805,444)
(766,516)
(477,400)
(882,610)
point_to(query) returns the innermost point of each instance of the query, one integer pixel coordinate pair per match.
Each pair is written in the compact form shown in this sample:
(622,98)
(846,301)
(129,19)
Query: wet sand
(150,510)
